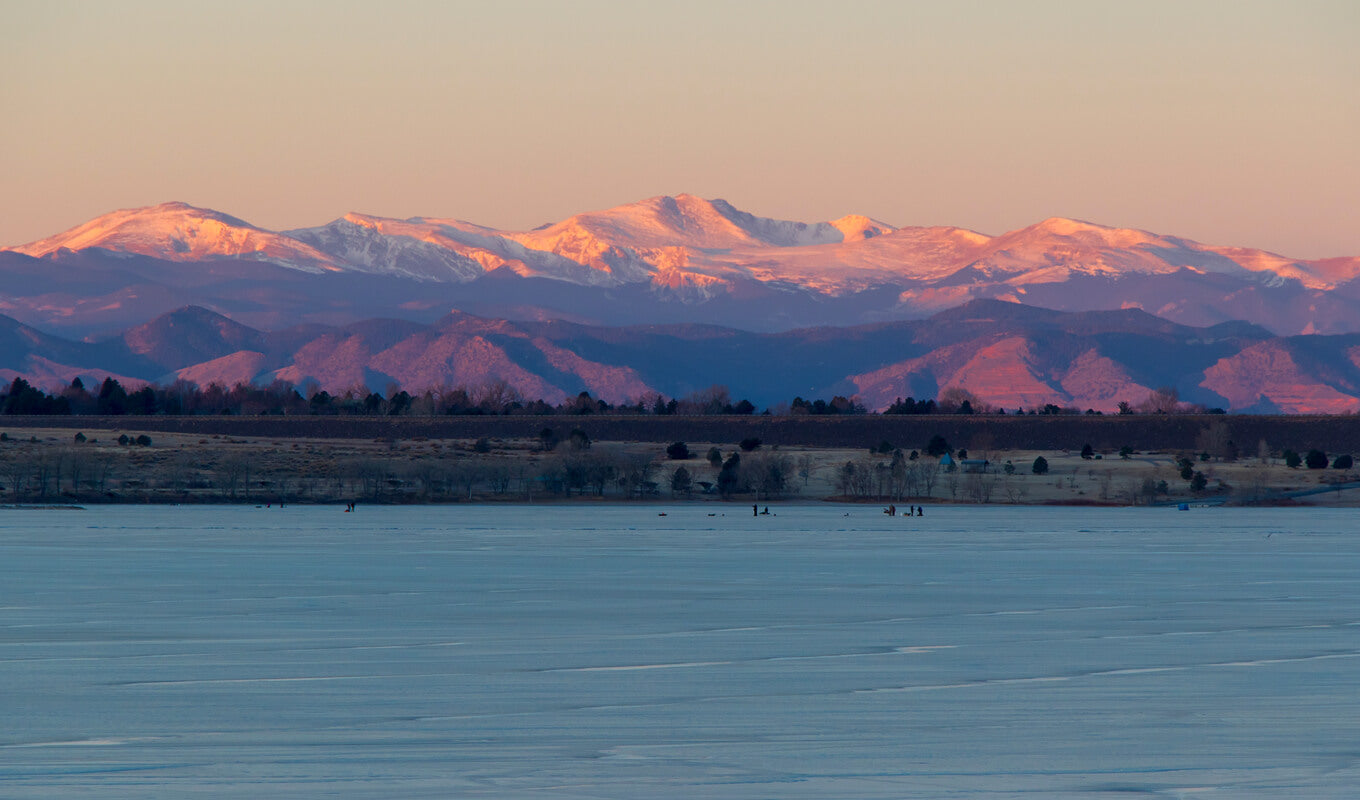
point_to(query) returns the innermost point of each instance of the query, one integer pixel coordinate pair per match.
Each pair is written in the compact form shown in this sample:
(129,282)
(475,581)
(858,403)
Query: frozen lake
(608,652)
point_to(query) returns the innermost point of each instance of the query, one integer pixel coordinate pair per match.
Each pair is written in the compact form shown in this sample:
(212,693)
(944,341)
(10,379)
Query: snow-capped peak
(690,222)
(180,232)
(857,228)
(689,241)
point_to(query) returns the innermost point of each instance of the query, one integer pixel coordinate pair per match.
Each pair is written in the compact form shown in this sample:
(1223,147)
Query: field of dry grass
(55,466)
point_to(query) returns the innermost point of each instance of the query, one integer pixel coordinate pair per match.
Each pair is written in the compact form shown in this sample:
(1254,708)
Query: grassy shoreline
(54,466)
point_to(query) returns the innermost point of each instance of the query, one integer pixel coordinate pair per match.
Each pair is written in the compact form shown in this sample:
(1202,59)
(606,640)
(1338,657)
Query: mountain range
(671,295)
(678,259)
(1010,355)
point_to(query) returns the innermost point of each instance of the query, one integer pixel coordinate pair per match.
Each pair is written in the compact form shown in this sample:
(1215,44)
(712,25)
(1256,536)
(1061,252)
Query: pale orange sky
(1227,122)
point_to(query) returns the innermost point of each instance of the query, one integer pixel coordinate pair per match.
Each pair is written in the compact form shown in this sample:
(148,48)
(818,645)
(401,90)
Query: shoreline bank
(55,466)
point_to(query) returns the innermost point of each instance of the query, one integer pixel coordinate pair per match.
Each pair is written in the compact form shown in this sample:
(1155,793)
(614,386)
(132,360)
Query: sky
(1226,122)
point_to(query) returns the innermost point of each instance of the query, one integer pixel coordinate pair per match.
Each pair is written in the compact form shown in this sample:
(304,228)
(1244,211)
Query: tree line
(111,398)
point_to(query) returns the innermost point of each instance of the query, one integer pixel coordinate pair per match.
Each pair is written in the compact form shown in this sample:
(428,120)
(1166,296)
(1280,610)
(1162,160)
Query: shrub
(144,440)
(681,483)
(1316,459)
(1087,451)
(937,446)
(714,457)
(547,439)
(1342,462)
(78,438)
(1291,459)
(1125,452)
(678,451)
(729,477)
(1198,482)
(123,439)
(1040,466)
(749,443)
(482,445)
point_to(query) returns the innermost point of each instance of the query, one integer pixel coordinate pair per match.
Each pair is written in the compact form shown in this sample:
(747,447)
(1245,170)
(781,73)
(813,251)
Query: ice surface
(607,652)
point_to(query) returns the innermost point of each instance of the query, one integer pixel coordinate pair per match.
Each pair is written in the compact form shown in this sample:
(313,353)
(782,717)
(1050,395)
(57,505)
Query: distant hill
(1009,355)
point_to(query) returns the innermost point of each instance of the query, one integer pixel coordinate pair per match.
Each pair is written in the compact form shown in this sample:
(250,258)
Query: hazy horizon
(1227,123)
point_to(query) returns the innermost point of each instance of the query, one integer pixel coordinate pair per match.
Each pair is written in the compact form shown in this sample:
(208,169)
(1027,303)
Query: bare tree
(1106,478)
(181,467)
(466,474)
(43,467)
(101,469)
(495,395)
(16,473)
(769,474)
(845,478)
(952,398)
(58,458)
(978,486)
(77,464)
(1255,487)
(1162,400)
(635,473)
(498,477)
(1014,488)
(233,473)
(369,475)
(928,473)
(1216,440)
(429,474)
(706,401)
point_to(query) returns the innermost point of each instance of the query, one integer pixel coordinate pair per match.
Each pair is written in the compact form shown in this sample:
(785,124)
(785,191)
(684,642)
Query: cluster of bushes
(1316,459)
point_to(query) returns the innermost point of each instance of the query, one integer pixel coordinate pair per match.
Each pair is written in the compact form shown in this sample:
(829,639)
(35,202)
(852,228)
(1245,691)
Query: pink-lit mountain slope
(1009,355)
(181,232)
(664,259)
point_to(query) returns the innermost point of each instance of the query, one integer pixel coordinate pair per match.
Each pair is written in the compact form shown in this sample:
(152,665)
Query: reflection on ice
(585,652)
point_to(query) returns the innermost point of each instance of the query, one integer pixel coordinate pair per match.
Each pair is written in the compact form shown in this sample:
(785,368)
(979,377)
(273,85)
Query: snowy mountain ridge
(683,240)
(669,258)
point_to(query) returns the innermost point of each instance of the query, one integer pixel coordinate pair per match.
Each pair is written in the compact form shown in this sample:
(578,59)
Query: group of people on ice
(912,511)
